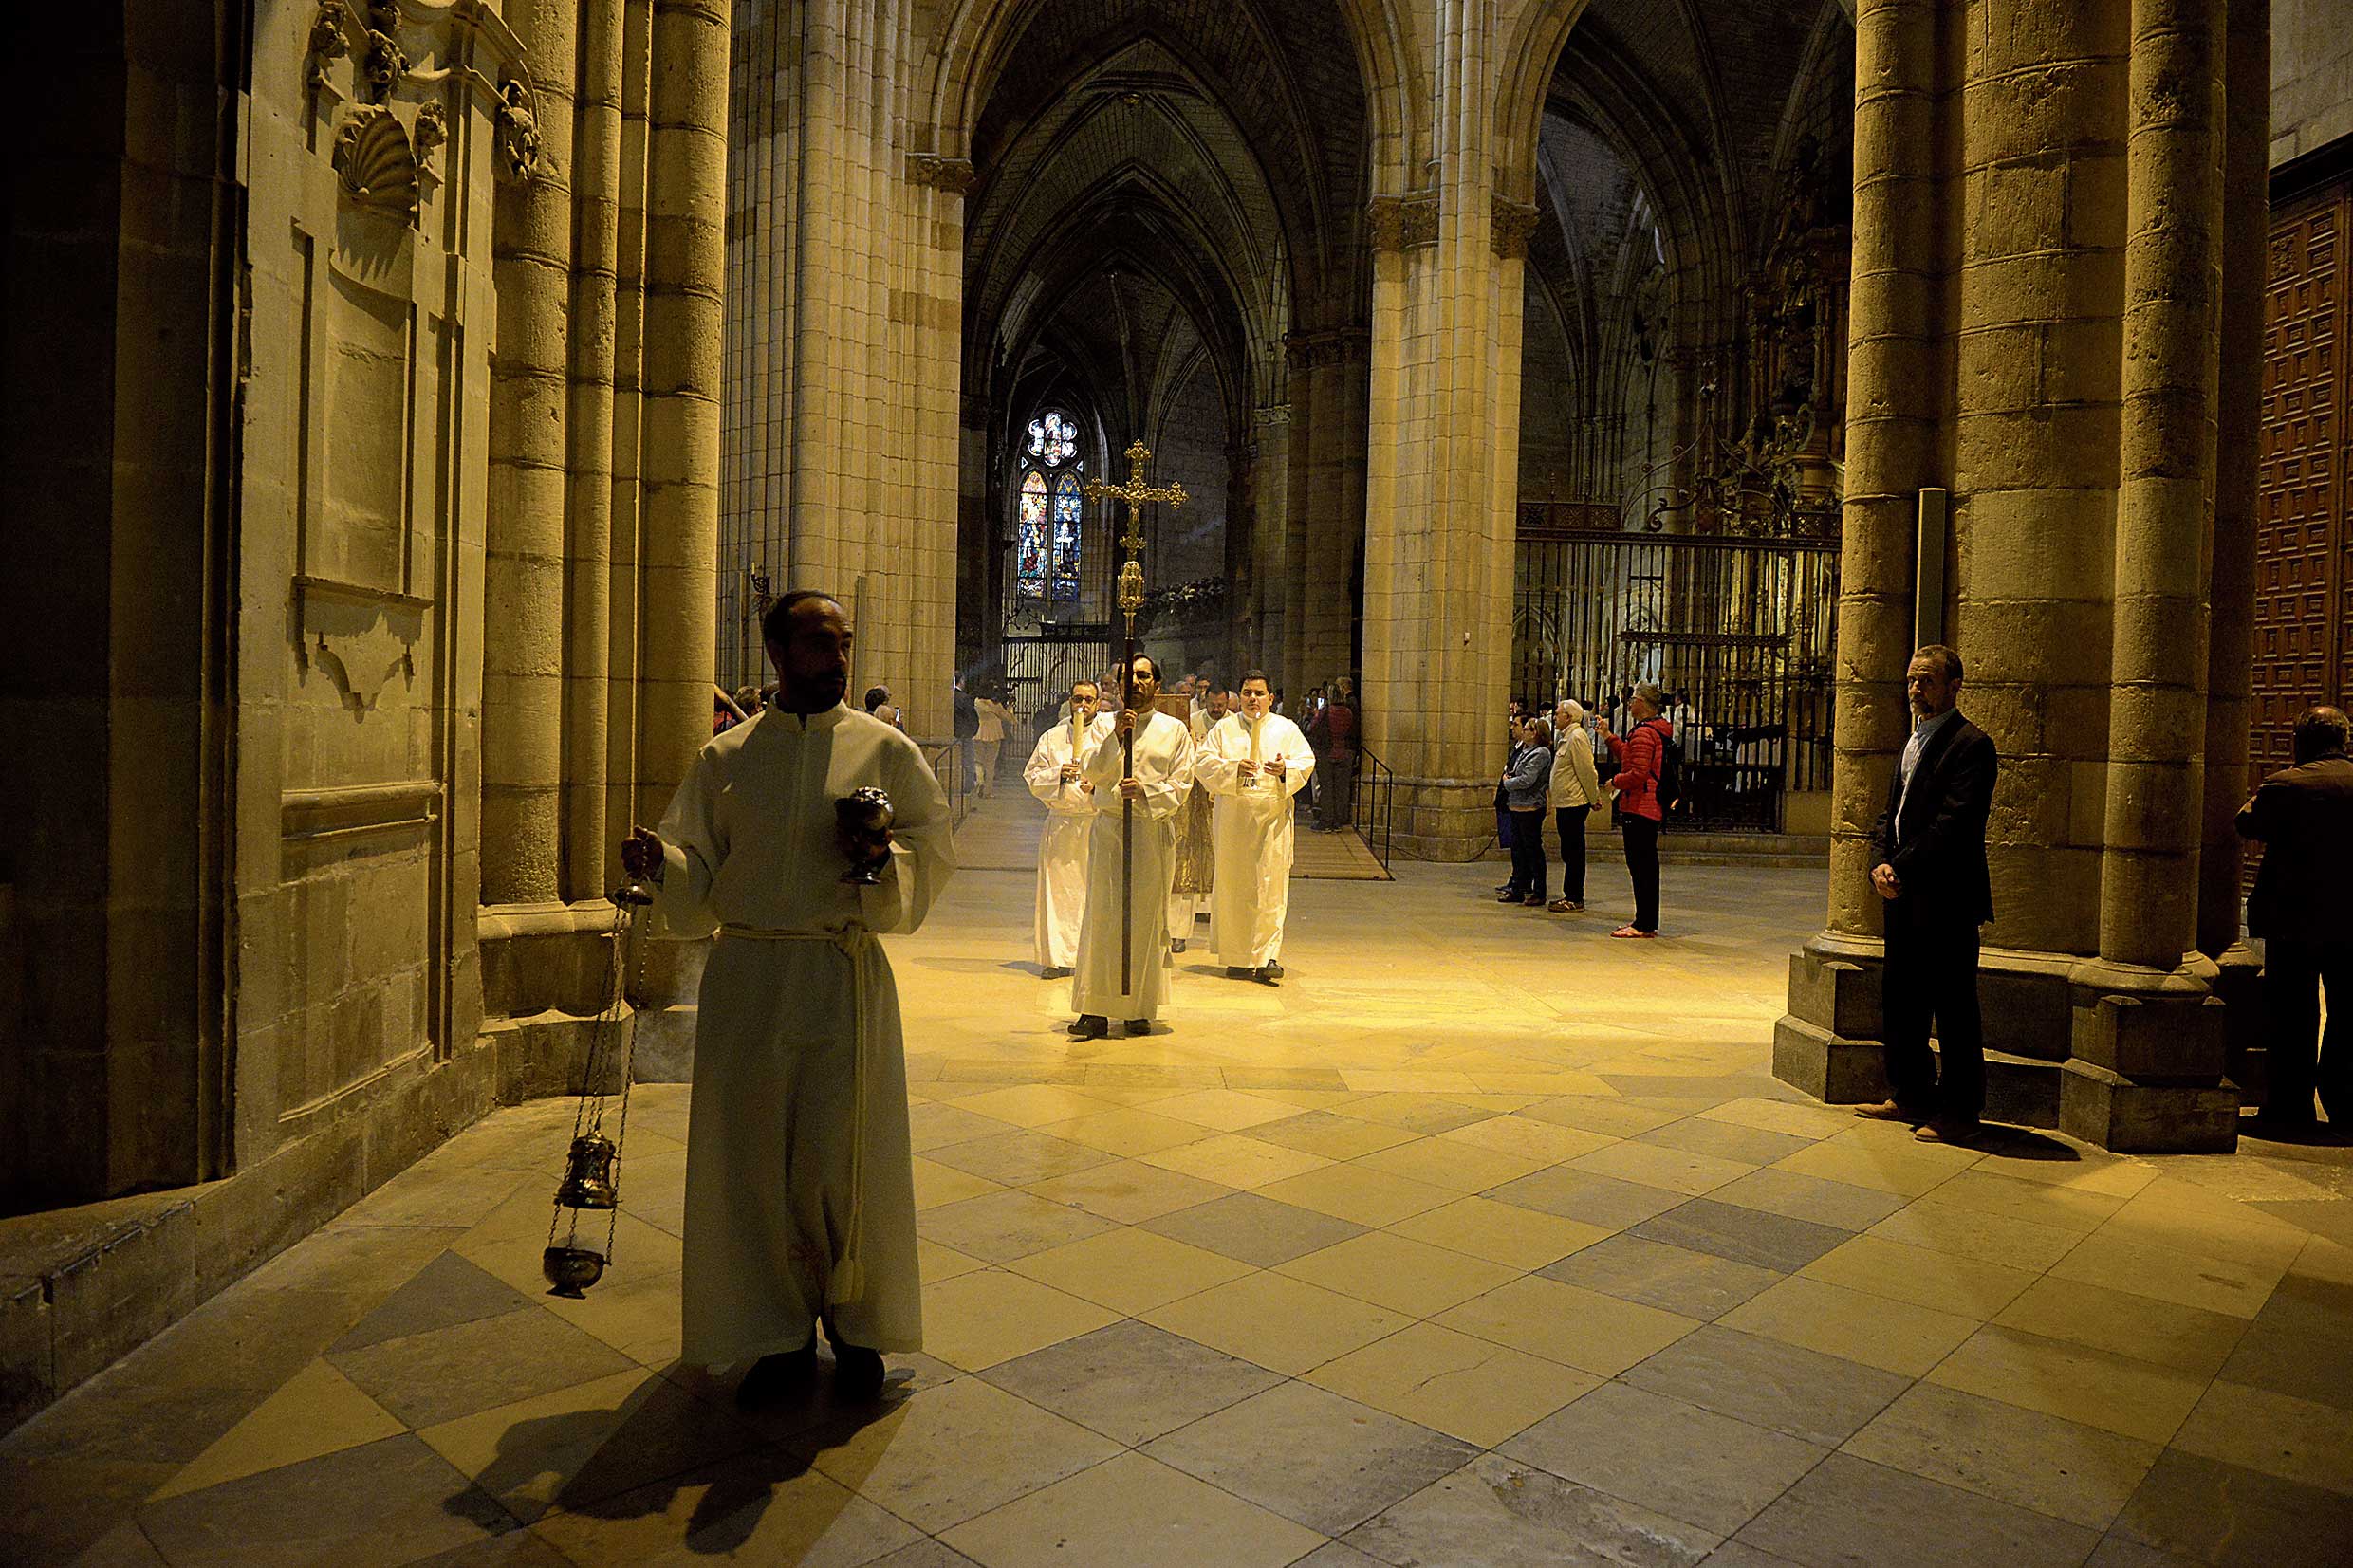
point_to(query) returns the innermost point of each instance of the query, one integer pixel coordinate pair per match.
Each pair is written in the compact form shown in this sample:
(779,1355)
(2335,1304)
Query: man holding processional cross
(1143,758)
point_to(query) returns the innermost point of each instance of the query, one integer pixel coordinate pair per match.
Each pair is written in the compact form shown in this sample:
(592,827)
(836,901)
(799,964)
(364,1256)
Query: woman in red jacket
(1640,756)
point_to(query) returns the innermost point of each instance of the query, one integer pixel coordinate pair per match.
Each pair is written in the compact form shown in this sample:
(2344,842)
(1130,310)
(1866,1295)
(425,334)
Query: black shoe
(1509,896)
(1503,887)
(857,1371)
(774,1378)
(1090,1026)
(1139,1025)
(1267,974)
(1053,971)
(1272,972)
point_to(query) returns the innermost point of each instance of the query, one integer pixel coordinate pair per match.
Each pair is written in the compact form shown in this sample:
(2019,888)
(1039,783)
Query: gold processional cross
(1138,493)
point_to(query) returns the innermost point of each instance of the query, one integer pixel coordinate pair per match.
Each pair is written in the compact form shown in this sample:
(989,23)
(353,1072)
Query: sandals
(1638,935)
(1565,906)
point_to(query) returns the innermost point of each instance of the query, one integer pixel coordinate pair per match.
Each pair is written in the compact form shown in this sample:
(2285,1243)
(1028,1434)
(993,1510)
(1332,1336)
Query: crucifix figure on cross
(1139,492)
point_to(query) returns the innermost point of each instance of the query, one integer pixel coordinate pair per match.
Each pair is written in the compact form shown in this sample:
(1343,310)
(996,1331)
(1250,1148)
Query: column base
(2107,1109)
(1451,823)
(2128,1059)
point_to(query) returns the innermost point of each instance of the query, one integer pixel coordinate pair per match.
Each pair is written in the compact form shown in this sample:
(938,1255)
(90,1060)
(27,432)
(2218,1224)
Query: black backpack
(1670,789)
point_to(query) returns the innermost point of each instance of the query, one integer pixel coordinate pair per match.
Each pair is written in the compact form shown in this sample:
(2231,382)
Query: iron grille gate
(1738,630)
(1040,665)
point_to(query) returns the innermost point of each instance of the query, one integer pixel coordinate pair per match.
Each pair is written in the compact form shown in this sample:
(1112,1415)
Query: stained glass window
(1052,440)
(1030,549)
(1067,536)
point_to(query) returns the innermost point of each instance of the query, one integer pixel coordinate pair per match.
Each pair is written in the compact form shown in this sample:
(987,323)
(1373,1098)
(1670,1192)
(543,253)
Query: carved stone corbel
(385,62)
(327,43)
(518,132)
(359,637)
(432,129)
(955,175)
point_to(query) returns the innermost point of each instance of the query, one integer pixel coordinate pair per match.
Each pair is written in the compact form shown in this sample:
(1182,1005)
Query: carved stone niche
(359,636)
(376,162)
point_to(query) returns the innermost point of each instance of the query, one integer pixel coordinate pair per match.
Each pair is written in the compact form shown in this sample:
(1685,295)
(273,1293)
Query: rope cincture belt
(846,1283)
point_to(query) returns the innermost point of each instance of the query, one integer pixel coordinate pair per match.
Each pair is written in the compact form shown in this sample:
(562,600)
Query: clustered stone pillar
(1448,291)
(843,371)
(599,598)
(2047,348)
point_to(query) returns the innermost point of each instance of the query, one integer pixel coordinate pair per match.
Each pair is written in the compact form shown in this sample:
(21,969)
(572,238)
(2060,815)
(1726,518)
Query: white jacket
(1574,781)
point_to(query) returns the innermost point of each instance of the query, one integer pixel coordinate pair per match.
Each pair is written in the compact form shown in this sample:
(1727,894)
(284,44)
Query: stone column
(523,586)
(592,860)
(1440,485)
(1269,529)
(2148,1043)
(685,274)
(2230,652)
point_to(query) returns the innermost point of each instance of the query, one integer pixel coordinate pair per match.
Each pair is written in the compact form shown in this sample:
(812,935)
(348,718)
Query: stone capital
(1400,223)
(1514,222)
(1308,350)
(955,175)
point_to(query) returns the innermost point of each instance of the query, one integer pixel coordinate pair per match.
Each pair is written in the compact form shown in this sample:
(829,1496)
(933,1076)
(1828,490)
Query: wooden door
(2303,595)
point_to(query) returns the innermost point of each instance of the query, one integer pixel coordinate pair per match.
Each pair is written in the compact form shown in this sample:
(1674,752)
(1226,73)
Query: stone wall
(2311,76)
(367,486)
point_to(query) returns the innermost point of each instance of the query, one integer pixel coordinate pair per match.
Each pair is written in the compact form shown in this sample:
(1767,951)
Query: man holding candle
(1253,762)
(1054,777)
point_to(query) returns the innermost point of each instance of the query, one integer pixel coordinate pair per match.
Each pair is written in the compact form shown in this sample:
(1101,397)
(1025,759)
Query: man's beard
(814,692)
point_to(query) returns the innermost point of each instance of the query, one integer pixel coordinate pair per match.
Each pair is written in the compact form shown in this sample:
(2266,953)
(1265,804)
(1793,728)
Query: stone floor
(1486,1240)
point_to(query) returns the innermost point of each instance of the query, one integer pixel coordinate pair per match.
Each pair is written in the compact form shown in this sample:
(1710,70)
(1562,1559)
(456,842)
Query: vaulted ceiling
(1209,156)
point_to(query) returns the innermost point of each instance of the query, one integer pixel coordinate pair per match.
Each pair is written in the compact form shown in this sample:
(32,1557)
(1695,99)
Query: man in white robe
(1054,777)
(800,1194)
(1253,762)
(1196,864)
(1163,771)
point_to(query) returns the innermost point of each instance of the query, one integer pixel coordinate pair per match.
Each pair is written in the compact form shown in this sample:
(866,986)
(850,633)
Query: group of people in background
(1150,817)
(1555,767)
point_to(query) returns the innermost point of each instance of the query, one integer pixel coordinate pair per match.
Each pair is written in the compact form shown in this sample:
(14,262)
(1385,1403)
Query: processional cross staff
(1138,493)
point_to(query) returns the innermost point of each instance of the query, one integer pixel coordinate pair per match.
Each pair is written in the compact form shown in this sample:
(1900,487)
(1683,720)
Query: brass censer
(592,1167)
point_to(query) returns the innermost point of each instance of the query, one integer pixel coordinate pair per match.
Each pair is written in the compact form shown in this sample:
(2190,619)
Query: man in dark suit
(1928,861)
(2303,816)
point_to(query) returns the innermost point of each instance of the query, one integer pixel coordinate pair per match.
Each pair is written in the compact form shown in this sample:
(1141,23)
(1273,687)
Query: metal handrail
(941,758)
(1375,809)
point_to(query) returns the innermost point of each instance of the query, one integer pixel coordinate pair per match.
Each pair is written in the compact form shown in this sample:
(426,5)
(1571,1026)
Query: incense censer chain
(592,1165)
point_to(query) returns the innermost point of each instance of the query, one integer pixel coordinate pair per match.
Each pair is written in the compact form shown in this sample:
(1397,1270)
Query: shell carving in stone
(374,161)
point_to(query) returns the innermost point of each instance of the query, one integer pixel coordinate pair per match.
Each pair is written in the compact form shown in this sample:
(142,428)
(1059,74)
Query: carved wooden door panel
(2304,551)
